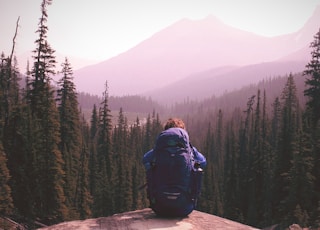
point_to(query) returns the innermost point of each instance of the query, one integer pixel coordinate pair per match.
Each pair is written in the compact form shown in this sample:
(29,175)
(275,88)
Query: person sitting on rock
(174,171)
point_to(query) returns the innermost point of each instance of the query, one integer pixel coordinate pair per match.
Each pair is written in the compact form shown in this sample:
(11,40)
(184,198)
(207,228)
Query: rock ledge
(146,219)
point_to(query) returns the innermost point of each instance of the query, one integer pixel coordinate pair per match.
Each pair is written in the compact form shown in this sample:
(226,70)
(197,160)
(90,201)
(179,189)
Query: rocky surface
(146,219)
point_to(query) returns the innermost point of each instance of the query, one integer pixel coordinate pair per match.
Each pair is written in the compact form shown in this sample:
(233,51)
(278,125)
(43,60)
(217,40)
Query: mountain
(216,82)
(301,55)
(188,47)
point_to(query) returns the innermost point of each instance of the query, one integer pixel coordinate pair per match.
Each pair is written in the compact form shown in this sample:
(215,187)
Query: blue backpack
(174,179)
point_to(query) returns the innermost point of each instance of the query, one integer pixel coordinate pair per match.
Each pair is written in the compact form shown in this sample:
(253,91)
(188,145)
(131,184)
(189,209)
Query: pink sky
(97,30)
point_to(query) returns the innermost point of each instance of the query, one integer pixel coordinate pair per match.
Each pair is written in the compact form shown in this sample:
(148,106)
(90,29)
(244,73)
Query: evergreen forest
(59,163)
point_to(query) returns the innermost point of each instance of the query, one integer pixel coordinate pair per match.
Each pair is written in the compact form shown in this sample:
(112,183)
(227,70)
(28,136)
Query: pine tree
(70,145)
(148,135)
(105,175)
(231,177)
(21,156)
(9,86)
(93,169)
(275,152)
(138,172)
(83,186)
(6,202)
(207,199)
(254,165)
(120,136)
(245,156)
(124,164)
(219,162)
(302,180)
(9,96)
(156,125)
(10,130)
(291,124)
(47,172)
(268,168)
(94,122)
(312,92)
(313,81)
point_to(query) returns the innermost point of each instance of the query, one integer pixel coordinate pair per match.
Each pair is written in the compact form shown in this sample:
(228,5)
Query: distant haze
(189,47)
(92,31)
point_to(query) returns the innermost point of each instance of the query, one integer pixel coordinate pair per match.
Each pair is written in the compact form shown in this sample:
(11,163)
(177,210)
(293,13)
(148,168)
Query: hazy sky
(99,29)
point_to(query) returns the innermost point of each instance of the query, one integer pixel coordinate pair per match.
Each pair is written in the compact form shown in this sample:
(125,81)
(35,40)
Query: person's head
(174,123)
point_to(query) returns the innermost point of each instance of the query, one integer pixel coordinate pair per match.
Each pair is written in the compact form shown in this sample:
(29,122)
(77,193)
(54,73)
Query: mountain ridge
(215,82)
(185,48)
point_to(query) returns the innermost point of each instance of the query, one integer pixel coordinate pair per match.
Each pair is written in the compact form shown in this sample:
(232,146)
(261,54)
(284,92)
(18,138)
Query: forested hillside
(135,103)
(133,106)
(262,145)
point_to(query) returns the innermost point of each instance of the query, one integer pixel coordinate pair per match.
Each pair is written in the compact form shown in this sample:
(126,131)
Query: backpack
(174,179)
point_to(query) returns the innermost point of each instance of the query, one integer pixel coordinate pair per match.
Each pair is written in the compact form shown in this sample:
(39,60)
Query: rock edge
(146,219)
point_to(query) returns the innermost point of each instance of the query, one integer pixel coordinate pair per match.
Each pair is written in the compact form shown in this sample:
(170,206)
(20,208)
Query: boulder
(146,219)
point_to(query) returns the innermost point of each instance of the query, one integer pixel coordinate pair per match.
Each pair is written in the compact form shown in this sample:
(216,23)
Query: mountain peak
(184,48)
(313,22)
(212,18)
(317,11)
(311,27)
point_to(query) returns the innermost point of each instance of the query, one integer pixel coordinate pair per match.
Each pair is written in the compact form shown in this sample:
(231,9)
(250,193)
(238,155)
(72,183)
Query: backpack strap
(196,180)
(150,174)
(151,162)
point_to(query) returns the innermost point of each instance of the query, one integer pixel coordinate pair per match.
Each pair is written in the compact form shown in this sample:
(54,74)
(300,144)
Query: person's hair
(174,123)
